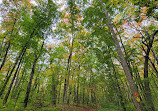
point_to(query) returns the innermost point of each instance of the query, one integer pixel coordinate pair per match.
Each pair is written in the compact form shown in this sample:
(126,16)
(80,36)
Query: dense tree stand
(78,55)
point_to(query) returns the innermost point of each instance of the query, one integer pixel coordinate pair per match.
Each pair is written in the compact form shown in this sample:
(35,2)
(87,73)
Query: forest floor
(50,108)
(80,108)
(59,108)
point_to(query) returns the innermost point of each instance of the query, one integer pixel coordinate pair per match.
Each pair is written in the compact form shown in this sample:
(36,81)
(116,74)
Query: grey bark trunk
(123,62)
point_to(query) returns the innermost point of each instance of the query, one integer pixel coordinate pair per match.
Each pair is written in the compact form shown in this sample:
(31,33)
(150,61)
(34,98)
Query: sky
(0,13)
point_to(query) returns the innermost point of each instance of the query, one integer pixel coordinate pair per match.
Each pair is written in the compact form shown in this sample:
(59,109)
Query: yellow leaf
(138,99)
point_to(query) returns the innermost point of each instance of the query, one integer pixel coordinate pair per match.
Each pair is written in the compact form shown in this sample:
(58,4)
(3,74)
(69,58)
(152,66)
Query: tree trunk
(20,89)
(148,95)
(8,77)
(77,92)
(21,54)
(59,93)
(154,67)
(7,73)
(69,98)
(8,33)
(88,96)
(5,56)
(53,92)
(30,82)
(68,69)
(154,55)
(31,78)
(16,84)
(83,101)
(118,86)
(123,62)
(11,84)
(74,100)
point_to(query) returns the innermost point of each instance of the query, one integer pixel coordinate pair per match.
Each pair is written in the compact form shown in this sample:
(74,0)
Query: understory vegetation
(79,55)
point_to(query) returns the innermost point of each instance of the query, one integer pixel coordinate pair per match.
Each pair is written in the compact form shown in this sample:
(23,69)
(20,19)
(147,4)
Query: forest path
(80,108)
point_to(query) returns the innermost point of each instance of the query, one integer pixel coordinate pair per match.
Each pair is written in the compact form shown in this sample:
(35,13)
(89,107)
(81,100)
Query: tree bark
(118,86)
(77,91)
(68,66)
(123,62)
(16,84)
(31,78)
(154,67)
(30,82)
(59,93)
(11,84)
(53,92)
(5,56)
(21,54)
(16,90)
(8,77)
(83,100)
(148,95)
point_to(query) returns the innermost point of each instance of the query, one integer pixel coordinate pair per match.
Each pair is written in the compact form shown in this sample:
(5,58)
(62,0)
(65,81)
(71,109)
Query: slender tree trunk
(68,67)
(118,86)
(7,73)
(83,101)
(19,89)
(18,94)
(5,56)
(31,78)
(59,93)
(138,81)
(74,100)
(69,98)
(15,94)
(148,95)
(53,92)
(11,84)
(92,97)
(35,83)
(88,96)
(21,54)
(8,77)
(16,84)
(67,80)
(15,20)
(77,92)
(123,62)
(30,82)
(154,55)
(154,67)
(153,78)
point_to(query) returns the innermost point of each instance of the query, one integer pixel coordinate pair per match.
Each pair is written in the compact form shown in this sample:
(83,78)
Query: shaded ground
(80,108)
(48,108)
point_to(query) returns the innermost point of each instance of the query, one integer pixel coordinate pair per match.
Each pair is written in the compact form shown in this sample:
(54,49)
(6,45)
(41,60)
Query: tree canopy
(79,55)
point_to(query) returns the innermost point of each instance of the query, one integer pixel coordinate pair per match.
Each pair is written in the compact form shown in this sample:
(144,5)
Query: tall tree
(123,61)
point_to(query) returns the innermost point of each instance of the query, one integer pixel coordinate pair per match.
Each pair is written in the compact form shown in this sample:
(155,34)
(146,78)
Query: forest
(78,55)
